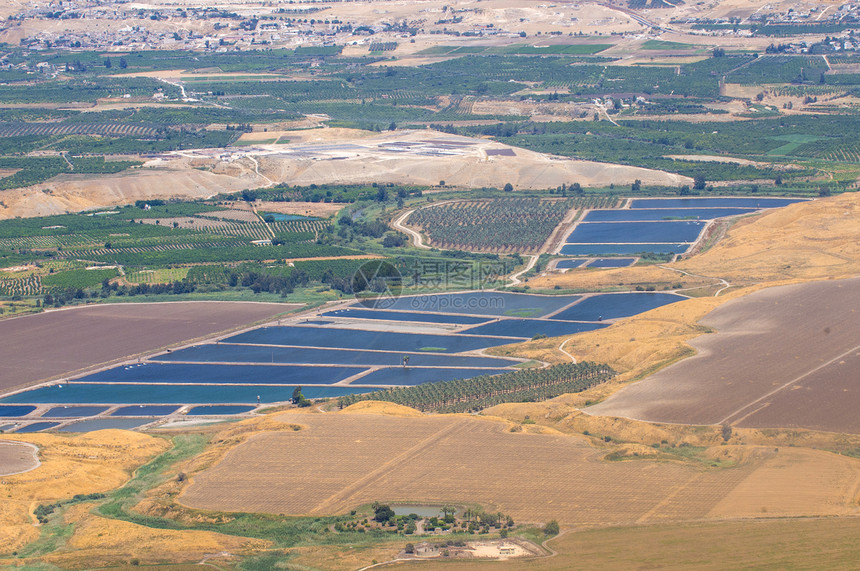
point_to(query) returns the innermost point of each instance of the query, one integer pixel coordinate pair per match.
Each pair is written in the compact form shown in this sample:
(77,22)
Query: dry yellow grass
(379,407)
(460,459)
(79,464)
(622,278)
(804,241)
(99,542)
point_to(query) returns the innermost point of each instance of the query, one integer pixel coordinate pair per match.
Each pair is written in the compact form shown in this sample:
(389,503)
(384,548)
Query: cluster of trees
(467,395)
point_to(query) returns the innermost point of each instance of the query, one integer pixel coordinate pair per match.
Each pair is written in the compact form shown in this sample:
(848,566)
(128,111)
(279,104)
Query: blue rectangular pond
(13,411)
(171,394)
(728,201)
(406,316)
(37,427)
(485,303)
(224,352)
(528,328)
(567,264)
(612,262)
(400,376)
(74,411)
(169,373)
(220,409)
(105,424)
(356,339)
(634,215)
(622,249)
(638,232)
(614,305)
(145,410)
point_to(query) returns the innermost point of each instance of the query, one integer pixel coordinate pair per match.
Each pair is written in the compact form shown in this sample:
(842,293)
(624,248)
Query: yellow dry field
(99,542)
(620,278)
(343,460)
(79,464)
(316,209)
(768,544)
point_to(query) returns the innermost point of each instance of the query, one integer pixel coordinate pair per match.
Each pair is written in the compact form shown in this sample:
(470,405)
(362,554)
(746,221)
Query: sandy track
(39,347)
(783,357)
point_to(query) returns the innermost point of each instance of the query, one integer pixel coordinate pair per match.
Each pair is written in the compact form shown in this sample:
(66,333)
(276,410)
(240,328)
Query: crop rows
(843,154)
(30,285)
(46,242)
(161,276)
(383,46)
(300,226)
(780,69)
(109,252)
(486,225)
(468,395)
(47,129)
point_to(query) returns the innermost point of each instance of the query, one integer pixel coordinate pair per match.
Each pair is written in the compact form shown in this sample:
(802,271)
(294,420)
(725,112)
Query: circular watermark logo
(377,284)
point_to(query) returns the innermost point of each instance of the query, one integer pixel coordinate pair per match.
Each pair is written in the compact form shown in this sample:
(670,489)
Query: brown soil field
(47,345)
(774,349)
(318,209)
(17,458)
(766,544)
(532,476)
(79,464)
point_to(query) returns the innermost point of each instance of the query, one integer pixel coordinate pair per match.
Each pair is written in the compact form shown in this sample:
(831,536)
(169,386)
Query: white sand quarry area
(426,157)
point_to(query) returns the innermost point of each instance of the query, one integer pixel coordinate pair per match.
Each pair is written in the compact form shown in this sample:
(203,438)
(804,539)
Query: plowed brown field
(783,357)
(38,347)
(343,460)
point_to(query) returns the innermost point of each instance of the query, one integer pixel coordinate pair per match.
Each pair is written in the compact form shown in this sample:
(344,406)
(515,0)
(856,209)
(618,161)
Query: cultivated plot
(86,336)
(784,356)
(455,459)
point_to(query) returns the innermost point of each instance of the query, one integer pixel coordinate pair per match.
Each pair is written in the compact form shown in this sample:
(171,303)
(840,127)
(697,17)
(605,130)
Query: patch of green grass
(436,349)
(52,536)
(241,143)
(665,45)
(150,475)
(524,312)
